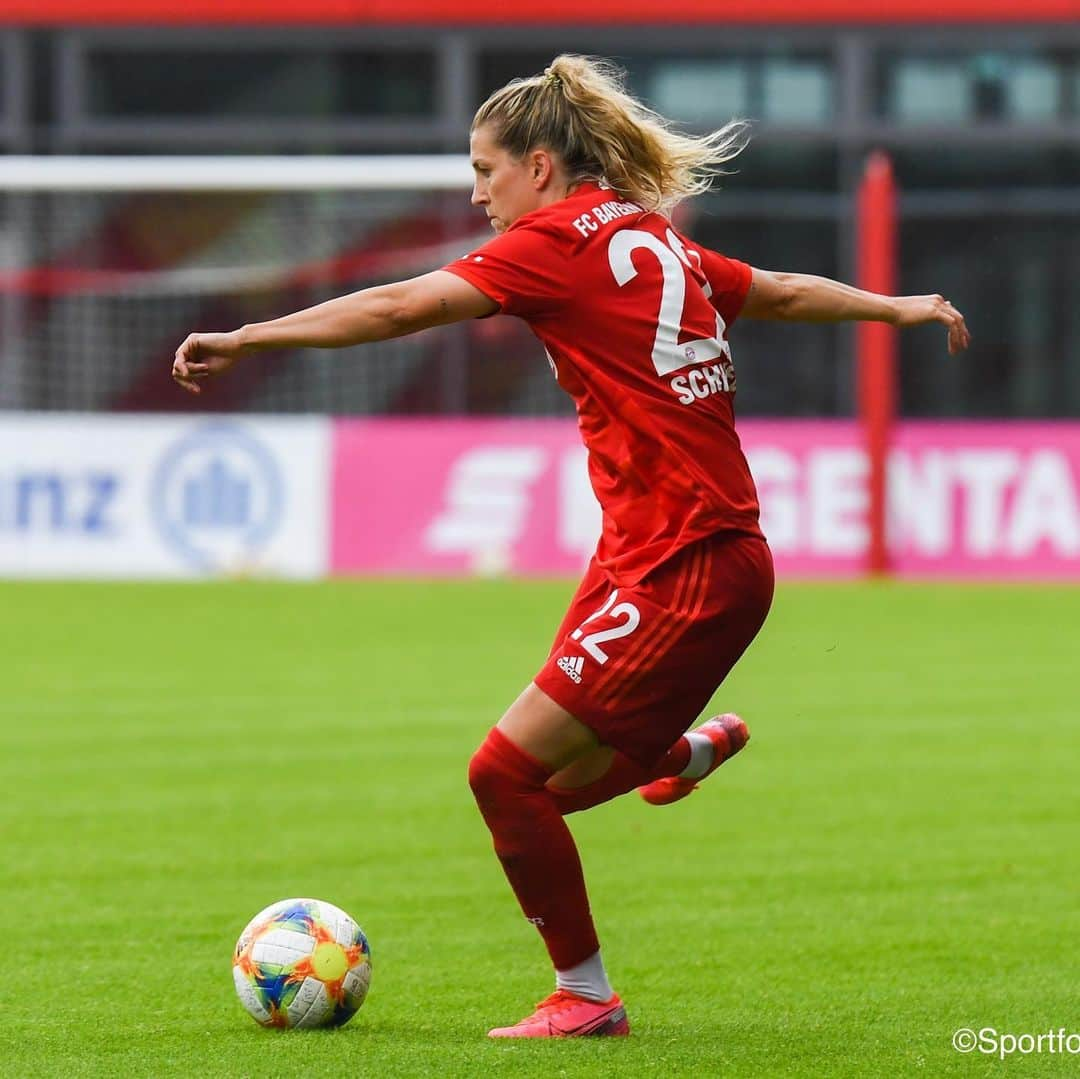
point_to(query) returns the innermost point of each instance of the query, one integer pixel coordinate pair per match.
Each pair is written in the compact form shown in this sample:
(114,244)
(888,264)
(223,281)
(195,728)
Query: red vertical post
(876,343)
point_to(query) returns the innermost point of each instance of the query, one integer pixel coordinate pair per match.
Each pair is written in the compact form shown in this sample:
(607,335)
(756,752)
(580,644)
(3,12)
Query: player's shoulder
(590,210)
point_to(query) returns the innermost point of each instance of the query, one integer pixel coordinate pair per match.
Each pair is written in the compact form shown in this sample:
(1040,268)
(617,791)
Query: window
(699,92)
(1034,91)
(929,91)
(782,90)
(952,88)
(796,92)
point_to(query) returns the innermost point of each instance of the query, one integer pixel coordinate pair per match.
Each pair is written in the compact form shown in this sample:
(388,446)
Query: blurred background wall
(978,105)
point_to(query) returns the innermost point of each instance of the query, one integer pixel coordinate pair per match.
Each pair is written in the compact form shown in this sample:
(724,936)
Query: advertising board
(452,497)
(128,496)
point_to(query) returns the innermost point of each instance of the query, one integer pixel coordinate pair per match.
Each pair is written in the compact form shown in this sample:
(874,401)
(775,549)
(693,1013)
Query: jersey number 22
(667,353)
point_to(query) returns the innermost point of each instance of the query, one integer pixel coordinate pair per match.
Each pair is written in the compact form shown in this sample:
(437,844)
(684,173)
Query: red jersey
(634,318)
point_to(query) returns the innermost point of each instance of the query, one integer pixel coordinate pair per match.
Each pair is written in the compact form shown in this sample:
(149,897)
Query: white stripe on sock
(701,755)
(587,979)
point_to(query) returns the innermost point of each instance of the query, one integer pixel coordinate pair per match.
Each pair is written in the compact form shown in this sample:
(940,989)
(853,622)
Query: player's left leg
(508,775)
(717,740)
(605,773)
(638,664)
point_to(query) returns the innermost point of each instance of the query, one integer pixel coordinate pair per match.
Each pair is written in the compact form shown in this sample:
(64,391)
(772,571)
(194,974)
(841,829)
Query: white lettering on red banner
(492,496)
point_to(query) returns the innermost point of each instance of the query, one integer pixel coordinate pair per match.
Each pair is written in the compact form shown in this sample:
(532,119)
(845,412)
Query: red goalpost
(876,391)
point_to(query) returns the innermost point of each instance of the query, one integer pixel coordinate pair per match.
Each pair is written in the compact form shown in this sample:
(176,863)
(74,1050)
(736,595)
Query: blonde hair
(580,109)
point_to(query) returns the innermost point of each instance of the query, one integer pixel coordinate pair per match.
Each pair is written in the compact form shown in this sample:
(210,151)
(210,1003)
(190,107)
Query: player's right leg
(508,775)
(566,1015)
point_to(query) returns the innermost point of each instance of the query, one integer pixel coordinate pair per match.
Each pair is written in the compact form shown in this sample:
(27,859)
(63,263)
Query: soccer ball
(302,963)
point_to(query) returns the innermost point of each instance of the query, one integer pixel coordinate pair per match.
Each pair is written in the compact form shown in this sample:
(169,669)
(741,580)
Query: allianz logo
(218,496)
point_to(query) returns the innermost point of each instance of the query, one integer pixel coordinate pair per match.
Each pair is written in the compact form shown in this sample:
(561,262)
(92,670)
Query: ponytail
(580,110)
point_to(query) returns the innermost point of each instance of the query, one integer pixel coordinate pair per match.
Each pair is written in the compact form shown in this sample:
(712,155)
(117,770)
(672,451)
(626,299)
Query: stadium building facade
(978,107)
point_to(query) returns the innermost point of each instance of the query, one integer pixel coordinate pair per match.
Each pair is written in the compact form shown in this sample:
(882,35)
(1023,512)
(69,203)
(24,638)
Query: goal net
(106,264)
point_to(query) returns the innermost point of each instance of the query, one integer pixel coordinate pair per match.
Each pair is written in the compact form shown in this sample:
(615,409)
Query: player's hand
(915,310)
(203,355)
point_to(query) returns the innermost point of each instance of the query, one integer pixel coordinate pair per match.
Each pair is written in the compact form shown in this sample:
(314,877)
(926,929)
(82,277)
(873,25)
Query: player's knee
(487,773)
(499,771)
(480,774)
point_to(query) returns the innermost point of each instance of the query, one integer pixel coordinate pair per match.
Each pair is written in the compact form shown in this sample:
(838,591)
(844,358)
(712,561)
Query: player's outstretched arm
(804,298)
(374,314)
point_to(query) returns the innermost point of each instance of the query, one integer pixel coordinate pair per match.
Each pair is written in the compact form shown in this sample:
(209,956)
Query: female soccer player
(576,178)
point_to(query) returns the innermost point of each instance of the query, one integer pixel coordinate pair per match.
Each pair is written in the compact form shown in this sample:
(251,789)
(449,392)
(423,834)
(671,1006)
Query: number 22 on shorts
(592,641)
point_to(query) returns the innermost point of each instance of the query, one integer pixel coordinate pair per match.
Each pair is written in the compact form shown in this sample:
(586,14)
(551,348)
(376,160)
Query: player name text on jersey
(703,381)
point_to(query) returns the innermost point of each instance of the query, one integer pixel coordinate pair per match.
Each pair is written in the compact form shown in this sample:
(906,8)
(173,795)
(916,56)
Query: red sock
(622,775)
(535,847)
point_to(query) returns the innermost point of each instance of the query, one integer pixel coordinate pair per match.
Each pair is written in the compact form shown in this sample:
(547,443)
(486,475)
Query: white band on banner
(443,172)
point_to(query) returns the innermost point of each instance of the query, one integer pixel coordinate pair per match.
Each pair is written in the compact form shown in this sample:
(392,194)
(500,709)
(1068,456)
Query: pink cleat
(728,735)
(565,1015)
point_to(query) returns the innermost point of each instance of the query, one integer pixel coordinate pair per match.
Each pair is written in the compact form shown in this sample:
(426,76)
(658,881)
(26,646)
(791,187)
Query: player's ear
(540,168)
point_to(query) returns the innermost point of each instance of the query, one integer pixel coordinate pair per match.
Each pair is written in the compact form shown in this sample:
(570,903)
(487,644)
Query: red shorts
(638,664)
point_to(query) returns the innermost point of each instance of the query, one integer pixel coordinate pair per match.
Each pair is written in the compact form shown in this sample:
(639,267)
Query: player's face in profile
(502,184)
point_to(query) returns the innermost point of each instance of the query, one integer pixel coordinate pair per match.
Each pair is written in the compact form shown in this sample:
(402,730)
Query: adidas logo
(571,667)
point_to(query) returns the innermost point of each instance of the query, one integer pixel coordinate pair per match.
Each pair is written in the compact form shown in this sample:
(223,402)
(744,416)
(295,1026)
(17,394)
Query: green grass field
(894,856)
